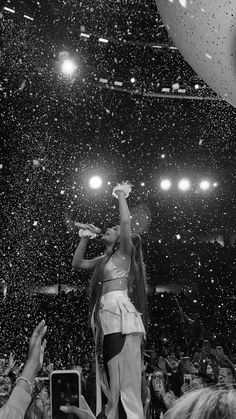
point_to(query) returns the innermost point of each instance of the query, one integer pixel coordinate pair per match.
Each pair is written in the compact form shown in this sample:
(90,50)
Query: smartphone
(65,390)
(188,379)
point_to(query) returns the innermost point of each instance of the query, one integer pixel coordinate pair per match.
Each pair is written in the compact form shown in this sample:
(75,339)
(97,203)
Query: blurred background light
(184,184)
(95,182)
(68,66)
(205,185)
(165,184)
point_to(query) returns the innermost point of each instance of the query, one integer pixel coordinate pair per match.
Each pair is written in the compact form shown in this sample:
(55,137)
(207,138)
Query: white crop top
(112,271)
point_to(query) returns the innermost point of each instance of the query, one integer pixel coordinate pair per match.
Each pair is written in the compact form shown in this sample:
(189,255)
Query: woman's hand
(35,357)
(172,362)
(185,388)
(124,187)
(82,413)
(90,227)
(88,230)
(37,346)
(11,362)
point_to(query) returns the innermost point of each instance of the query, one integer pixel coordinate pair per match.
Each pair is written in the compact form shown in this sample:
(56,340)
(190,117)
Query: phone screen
(65,391)
(187,379)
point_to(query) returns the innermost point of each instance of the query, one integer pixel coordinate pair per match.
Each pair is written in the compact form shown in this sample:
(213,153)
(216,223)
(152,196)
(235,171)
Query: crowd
(191,340)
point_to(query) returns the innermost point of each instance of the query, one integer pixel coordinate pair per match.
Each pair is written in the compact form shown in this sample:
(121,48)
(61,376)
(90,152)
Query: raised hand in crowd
(20,398)
(11,364)
(172,362)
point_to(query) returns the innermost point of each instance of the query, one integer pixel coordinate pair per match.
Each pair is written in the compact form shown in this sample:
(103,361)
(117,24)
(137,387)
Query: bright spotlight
(165,184)
(204,185)
(184,184)
(68,67)
(95,182)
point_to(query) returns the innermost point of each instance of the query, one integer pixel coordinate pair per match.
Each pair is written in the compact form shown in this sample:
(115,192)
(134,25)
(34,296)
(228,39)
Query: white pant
(125,380)
(118,314)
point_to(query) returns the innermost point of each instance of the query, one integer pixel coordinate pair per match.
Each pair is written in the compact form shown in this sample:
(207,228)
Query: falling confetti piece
(175,86)
(36,162)
(208,56)
(183,3)
(22,86)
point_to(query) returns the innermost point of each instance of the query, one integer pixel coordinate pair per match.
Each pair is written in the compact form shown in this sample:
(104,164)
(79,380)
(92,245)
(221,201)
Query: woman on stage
(118,276)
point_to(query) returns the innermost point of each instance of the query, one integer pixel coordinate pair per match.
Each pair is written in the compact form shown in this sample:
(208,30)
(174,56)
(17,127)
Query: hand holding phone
(65,390)
(84,412)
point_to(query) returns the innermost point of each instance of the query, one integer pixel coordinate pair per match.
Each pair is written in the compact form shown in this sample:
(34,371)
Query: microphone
(94,230)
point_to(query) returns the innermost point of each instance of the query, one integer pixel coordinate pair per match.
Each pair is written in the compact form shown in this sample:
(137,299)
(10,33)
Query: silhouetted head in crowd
(207,403)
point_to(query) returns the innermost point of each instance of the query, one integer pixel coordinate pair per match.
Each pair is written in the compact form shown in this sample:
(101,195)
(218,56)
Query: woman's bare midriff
(118,284)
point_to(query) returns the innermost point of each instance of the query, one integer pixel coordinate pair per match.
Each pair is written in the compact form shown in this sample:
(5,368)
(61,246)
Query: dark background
(57,131)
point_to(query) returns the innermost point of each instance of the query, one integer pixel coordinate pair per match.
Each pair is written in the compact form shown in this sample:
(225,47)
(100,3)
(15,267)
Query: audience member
(204,404)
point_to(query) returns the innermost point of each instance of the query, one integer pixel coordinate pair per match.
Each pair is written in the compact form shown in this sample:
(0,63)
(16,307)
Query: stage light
(95,182)
(68,67)
(165,184)
(204,185)
(184,184)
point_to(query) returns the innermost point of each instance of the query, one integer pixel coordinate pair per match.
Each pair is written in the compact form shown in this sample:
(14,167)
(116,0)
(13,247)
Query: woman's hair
(211,403)
(137,285)
(136,281)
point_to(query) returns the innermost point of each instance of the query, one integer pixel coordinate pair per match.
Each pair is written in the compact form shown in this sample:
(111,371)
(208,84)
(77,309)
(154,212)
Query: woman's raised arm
(78,260)
(122,191)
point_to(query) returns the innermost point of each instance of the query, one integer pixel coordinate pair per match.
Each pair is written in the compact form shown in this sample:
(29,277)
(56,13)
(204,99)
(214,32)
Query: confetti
(58,132)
